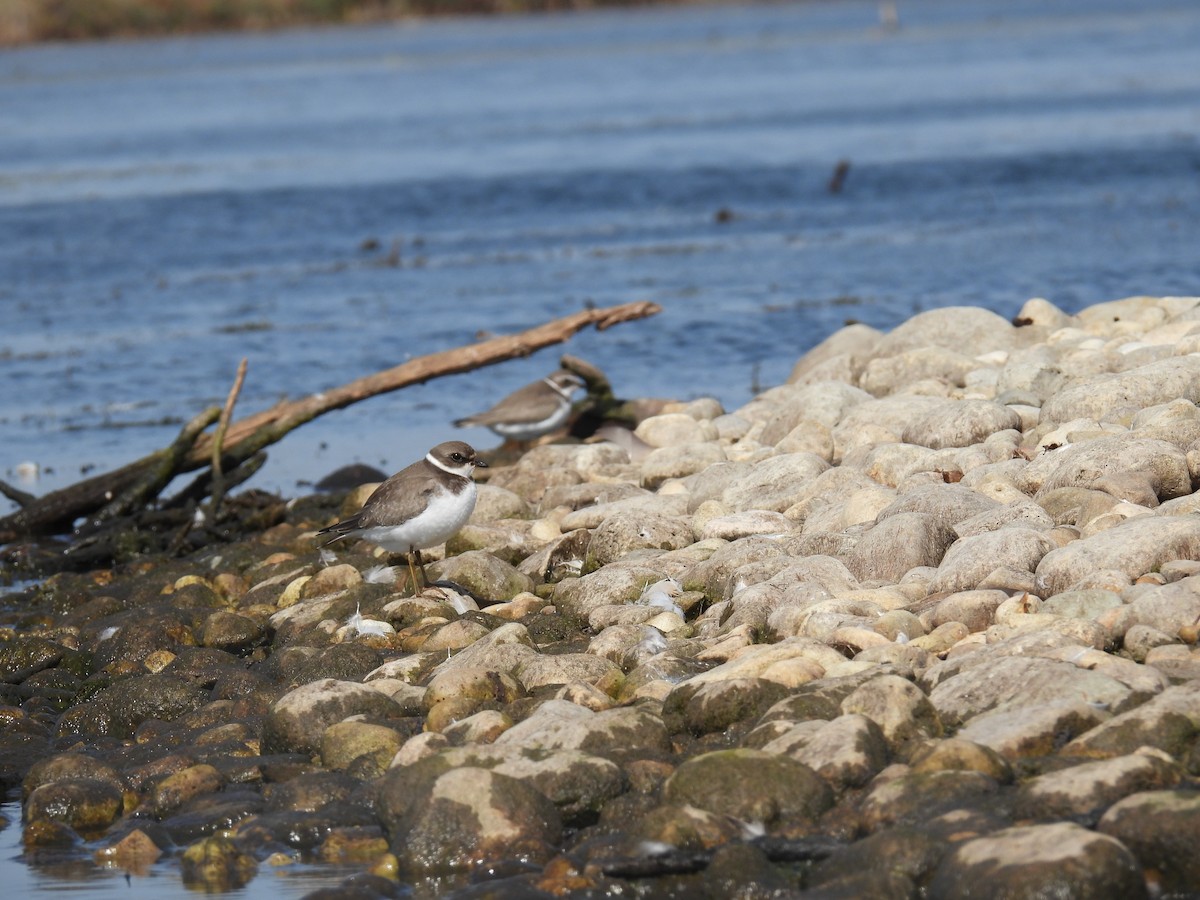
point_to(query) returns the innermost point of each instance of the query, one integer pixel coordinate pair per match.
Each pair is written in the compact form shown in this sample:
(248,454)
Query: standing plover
(532,411)
(418,507)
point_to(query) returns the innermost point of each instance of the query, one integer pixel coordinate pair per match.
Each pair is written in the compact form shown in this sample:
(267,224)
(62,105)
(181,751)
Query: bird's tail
(339,530)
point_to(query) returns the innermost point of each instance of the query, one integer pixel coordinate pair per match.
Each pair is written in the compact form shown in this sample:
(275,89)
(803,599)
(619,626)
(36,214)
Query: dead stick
(218,478)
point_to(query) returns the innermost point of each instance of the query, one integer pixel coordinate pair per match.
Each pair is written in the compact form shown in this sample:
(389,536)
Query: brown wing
(398,499)
(539,403)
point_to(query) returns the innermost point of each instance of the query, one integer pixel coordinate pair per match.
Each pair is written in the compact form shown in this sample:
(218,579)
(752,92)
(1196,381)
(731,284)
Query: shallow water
(170,206)
(329,203)
(68,878)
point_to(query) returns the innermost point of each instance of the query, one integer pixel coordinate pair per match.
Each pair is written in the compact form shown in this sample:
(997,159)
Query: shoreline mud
(924,618)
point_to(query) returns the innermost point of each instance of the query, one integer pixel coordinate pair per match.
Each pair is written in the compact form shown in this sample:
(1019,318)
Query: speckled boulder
(297,721)
(1059,860)
(482,574)
(1162,828)
(472,816)
(750,785)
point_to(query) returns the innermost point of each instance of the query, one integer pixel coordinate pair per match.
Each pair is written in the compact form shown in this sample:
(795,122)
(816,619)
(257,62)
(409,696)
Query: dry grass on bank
(28,21)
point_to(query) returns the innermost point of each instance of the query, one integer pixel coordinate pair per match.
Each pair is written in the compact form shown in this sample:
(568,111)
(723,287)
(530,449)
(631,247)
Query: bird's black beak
(480,464)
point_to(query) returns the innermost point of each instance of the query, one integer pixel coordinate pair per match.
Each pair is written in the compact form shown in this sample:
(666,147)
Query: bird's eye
(457,457)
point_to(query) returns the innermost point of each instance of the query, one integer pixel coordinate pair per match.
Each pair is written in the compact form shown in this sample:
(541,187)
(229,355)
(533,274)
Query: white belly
(444,516)
(526,431)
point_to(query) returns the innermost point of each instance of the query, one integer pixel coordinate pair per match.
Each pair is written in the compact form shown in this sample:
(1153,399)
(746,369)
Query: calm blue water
(170,206)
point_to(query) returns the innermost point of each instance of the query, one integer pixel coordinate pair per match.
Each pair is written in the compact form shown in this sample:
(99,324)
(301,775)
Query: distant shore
(32,21)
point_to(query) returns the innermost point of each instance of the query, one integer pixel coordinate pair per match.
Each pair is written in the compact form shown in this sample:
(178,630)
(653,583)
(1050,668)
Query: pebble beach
(921,621)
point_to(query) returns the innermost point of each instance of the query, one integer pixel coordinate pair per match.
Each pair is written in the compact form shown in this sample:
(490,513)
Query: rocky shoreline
(921,622)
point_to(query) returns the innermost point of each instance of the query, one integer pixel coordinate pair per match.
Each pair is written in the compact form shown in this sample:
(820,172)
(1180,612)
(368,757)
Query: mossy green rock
(85,804)
(750,785)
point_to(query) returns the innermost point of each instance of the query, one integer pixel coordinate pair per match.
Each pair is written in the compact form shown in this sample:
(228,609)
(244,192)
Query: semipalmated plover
(418,507)
(532,411)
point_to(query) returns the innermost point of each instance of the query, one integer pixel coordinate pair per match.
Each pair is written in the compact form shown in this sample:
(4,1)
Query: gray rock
(1177,422)
(1145,386)
(752,786)
(88,805)
(678,461)
(1141,639)
(707,706)
(674,429)
(847,751)
(1135,547)
(471,816)
(823,403)
(916,797)
(541,670)
(897,544)
(1018,513)
(714,575)
(746,524)
(228,631)
(577,598)
(967,329)
(969,560)
(562,557)
(974,609)
(559,724)
(1088,604)
(1169,608)
(960,424)
(1076,506)
(1032,732)
(493,503)
(1082,793)
(889,415)
(482,574)
(578,784)
(774,484)
(347,743)
(1016,682)
(948,504)
(899,708)
(856,341)
(656,504)
(1162,829)
(623,533)
(117,710)
(1104,461)
(711,483)
(892,374)
(1168,722)
(961,755)
(297,721)
(501,650)
(870,868)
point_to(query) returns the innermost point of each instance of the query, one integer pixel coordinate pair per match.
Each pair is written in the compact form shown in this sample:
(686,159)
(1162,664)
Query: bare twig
(218,478)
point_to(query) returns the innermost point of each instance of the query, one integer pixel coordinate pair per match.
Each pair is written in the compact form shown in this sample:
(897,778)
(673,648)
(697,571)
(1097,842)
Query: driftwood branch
(251,434)
(245,438)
